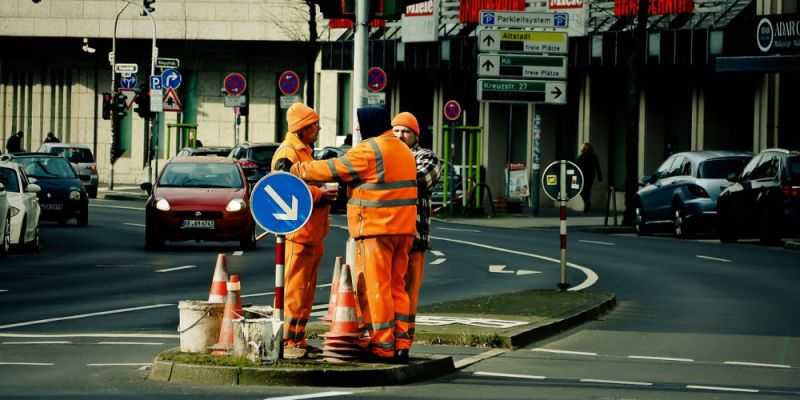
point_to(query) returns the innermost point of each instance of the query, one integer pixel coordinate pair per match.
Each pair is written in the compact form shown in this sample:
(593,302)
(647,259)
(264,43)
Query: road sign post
(561,181)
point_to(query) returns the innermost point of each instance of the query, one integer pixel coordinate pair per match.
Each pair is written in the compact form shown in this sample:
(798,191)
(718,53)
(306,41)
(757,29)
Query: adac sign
(779,34)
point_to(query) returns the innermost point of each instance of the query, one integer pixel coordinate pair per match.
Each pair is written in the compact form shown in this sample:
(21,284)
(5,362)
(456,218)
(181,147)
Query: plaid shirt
(428,173)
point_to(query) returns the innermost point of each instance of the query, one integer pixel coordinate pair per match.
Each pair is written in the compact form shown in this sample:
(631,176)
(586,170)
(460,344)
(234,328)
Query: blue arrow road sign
(171,78)
(281,203)
(128,82)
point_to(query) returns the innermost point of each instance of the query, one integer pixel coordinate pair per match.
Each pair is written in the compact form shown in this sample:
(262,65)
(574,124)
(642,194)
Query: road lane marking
(712,258)
(617,382)
(129,343)
(93,335)
(237,253)
(577,353)
(722,388)
(3,290)
(500,375)
(136,225)
(751,364)
(119,365)
(79,316)
(527,272)
(437,253)
(458,230)
(662,358)
(95,205)
(499,269)
(591,276)
(596,242)
(26,363)
(42,342)
(463,363)
(310,396)
(438,261)
(176,268)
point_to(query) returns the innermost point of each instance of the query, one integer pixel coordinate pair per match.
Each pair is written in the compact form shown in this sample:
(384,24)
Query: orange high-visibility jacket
(381,172)
(318,225)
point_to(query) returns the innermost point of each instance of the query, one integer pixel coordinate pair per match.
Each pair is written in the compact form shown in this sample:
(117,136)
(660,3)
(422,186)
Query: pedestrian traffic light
(142,101)
(108,105)
(120,105)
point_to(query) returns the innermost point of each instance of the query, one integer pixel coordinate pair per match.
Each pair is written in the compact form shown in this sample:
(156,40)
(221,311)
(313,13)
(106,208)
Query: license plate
(197,224)
(52,206)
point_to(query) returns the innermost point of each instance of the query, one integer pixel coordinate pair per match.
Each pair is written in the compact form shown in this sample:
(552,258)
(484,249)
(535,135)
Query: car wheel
(152,241)
(83,217)
(679,225)
(249,242)
(639,222)
(5,246)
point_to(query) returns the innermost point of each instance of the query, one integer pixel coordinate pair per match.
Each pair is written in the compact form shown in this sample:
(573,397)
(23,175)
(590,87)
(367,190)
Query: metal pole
(452,168)
(280,256)
(562,197)
(114,126)
(508,151)
(360,59)
(537,161)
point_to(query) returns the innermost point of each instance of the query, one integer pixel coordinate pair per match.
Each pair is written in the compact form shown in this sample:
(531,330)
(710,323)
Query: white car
(23,205)
(5,221)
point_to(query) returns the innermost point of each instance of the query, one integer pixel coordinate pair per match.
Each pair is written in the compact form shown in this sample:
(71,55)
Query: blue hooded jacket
(373,121)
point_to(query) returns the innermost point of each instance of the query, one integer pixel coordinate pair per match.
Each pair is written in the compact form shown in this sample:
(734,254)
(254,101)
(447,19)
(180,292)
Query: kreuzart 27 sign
(778,34)
(656,7)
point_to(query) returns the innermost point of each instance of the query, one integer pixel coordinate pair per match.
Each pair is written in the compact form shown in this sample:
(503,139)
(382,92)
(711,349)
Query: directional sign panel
(522,66)
(524,19)
(126,68)
(522,91)
(162,62)
(514,41)
(281,203)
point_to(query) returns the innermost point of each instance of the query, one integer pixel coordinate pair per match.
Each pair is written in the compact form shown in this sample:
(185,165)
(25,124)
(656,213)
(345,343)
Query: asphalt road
(696,319)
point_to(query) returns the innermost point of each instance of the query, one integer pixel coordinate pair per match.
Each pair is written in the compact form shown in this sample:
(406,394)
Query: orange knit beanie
(299,116)
(406,119)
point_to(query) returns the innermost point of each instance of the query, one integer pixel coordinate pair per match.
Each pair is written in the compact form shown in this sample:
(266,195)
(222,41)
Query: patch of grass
(230,361)
(541,303)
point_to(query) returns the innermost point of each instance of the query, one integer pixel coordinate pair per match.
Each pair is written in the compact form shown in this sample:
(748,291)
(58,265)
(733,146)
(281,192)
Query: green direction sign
(522,91)
(522,66)
(516,41)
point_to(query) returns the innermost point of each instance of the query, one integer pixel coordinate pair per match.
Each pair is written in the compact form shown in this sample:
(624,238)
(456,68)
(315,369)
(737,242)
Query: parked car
(255,158)
(199,198)
(764,200)
(204,151)
(82,158)
(682,194)
(62,195)
(5,222)
(328,152)
(24,211)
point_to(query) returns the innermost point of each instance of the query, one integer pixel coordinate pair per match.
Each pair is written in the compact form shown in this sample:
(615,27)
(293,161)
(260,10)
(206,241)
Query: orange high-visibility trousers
(381,265)
(302,265)
(416,268)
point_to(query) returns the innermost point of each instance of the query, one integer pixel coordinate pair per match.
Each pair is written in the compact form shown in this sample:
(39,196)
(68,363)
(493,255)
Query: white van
(81,157)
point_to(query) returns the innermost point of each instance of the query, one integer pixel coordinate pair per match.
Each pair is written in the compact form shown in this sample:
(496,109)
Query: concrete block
(162,370)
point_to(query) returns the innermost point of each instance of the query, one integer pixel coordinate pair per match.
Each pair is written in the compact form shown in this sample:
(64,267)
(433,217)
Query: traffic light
(108,105)
(143,102)
(120,105)
(332,9)
(148,4)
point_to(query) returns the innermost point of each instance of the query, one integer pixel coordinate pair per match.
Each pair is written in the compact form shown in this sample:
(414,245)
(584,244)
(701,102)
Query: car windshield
(47,167)
(76,155)
(8,177)
(201,176)
(720,169)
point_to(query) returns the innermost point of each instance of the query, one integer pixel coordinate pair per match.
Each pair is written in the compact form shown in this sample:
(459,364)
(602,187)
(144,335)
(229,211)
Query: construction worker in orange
(304,247)
(406,128)
(381,213)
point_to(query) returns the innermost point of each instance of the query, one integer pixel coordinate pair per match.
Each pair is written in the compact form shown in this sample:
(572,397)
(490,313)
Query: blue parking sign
(155,82)
(281,203)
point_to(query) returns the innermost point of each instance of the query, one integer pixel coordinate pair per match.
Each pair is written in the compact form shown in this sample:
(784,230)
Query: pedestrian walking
(406,128)
(381,215)
(51,138)
(589,164)
(304,248)
(14,143)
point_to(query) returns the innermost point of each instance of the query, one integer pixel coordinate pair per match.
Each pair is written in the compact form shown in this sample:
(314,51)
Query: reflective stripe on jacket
(318,224)
(381,172)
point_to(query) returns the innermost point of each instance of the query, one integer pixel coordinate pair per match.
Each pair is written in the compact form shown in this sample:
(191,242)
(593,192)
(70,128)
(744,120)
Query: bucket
(199,324)
(259,340)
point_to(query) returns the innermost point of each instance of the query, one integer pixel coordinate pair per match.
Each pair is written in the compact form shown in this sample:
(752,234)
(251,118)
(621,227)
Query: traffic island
(174,366)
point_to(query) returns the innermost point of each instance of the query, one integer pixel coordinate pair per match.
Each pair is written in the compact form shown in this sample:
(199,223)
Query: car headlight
(74,195)
(236,205)
(162,204)
(14,211)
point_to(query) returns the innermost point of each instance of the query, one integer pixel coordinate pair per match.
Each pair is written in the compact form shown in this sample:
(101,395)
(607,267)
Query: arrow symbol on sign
(557,92)
(488,40)
(171,77)
(488,65)
(289,213)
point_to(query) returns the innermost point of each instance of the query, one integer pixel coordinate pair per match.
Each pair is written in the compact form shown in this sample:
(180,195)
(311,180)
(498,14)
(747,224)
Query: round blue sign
(289,83)
(128,82)
(171,78)
(281,203)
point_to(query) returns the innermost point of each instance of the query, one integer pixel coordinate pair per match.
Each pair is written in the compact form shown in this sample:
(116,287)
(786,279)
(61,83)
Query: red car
(199,198)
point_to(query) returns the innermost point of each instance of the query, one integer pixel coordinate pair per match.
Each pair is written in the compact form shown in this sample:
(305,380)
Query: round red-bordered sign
(452,110)
(289,83)
(376,79)
(235,84)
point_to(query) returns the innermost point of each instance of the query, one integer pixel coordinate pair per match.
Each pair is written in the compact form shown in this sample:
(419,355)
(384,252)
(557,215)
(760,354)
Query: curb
(792,245)
(122,196)
(419,368)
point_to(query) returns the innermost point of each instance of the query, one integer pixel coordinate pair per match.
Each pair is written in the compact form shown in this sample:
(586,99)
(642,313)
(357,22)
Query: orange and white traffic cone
(344,341)
(233,310)
(337,267)
(219,282)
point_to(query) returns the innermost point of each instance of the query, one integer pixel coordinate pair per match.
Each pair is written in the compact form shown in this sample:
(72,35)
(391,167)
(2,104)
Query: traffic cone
(344,341)
(337,266)
(219,282)
(233,310)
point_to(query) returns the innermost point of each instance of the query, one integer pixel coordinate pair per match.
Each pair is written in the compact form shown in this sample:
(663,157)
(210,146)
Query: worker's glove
(283,164)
